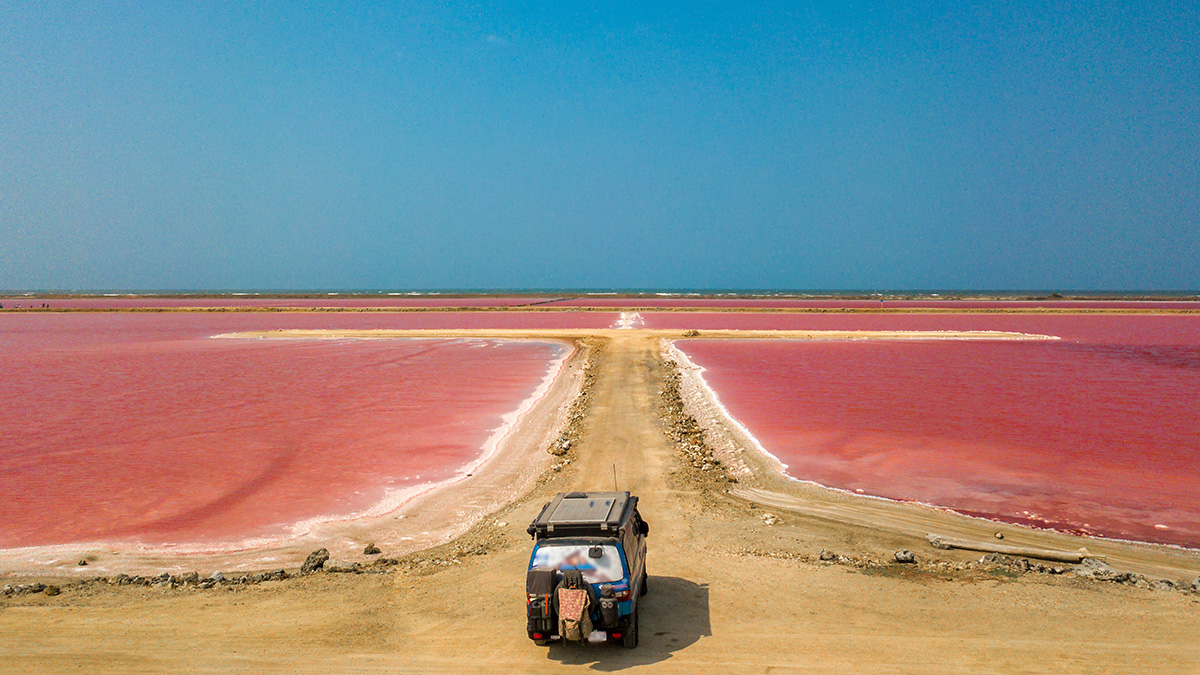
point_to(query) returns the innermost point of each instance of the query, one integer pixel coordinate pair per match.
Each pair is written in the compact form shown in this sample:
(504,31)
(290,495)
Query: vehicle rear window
(603,570)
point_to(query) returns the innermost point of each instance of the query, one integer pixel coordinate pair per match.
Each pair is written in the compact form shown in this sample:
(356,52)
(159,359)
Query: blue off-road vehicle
(588,569)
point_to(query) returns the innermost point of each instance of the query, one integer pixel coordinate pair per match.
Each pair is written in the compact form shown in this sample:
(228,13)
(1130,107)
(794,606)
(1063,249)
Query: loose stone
(340,566)
(1091,568)
(315,561)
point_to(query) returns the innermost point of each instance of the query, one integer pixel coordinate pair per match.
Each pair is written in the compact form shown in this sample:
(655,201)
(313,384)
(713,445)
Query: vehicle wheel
(631,633)
(645,584)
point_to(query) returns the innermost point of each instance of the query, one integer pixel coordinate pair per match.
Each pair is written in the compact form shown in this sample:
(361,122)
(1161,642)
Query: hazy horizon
(821,292)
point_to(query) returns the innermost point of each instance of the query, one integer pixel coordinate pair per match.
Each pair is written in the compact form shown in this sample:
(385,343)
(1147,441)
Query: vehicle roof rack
(582,514)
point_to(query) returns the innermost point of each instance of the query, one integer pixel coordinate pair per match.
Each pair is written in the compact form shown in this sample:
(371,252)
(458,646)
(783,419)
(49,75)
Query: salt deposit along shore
(726,573)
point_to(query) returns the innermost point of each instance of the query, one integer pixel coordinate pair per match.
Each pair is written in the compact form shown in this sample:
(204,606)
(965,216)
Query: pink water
(1097,433)
(50,328)
(1109,328)
(380,301)
(833,304)
(129,427)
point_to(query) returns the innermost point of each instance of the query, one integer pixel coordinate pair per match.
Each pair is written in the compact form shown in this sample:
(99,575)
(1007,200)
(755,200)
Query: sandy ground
(728,592)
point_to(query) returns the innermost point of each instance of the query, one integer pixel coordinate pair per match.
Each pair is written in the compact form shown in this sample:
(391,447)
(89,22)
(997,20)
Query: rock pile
(164,580)
(1098,570)
(693,450)
(192,579)
(1090,568)
(376,566)
(317,560)
(1019,564)
(23,589)
(478,542)
(577,413)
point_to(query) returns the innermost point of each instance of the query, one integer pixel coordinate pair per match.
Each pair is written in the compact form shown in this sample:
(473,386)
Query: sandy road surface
(711,608)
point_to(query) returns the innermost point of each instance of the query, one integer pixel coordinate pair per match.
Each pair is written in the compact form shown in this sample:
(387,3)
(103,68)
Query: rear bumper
(544,629)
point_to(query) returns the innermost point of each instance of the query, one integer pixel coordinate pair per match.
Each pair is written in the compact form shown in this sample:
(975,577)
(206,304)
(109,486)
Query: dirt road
(728,593)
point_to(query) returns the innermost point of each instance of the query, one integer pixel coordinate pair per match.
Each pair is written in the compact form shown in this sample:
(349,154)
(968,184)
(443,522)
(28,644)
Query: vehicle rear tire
(631,634)
(645,584)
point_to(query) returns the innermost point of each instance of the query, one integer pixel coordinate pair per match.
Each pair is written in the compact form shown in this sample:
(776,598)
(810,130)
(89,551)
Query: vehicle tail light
(624,595)
(538,636)
(616,636)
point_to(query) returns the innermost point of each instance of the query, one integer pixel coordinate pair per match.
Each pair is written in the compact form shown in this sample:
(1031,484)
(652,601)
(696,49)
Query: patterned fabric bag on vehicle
(574,619)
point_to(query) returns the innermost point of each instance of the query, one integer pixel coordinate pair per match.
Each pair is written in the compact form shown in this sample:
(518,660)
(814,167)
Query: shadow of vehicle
(673,615)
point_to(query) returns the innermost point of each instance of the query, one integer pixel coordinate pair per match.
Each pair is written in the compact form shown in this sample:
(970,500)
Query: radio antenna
(615,478)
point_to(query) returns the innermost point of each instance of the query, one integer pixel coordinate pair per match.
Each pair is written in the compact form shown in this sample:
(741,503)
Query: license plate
(598,636)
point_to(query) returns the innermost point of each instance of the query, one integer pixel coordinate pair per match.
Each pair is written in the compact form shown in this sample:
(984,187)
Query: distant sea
(944,294)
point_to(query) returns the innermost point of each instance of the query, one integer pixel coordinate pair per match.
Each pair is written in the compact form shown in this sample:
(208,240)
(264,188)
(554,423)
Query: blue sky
(624,145)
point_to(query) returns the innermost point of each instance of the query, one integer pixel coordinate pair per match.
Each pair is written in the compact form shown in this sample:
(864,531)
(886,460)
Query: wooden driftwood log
(987,547)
